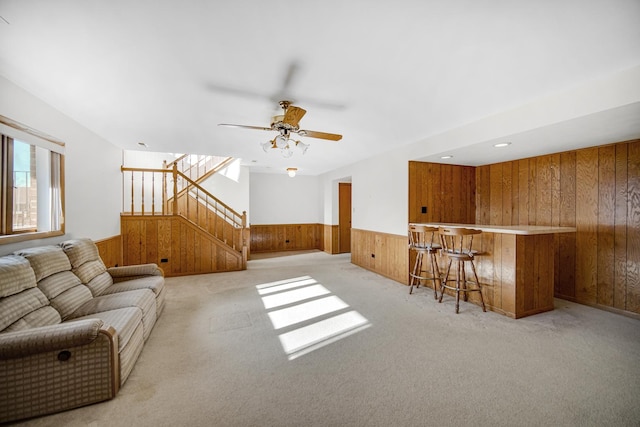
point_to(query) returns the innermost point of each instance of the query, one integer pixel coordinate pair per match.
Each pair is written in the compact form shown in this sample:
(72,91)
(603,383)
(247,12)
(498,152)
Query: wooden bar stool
(421,240)
(457,246)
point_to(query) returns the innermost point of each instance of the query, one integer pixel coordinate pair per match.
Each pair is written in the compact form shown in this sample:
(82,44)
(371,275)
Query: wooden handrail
(202,160)
(126,169)
(238,219)
(218,201)
(175,162)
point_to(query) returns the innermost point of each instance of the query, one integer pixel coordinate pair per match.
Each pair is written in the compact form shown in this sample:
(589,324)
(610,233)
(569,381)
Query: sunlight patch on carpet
(283,285)
(308,315)
(293,296)
(305,311)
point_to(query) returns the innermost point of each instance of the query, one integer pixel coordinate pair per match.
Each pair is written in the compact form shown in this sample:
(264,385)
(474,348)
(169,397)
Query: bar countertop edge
(506,229)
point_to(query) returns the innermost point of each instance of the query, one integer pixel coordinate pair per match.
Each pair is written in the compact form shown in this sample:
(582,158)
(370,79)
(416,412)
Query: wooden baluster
(244,227)
(153,193)
(123,187)
(209,213)
(131,193)
(164,192)
(142,194)
(175,189)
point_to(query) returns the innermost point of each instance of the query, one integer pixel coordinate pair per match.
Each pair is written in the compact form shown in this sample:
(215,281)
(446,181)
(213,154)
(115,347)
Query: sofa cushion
(89,270)
(100,284)
(16,306)
(43,316)
(45,260)
(68,302)
(80,251)
(87,264)
(16,275)
(144,299)
(124,321)
(56,284)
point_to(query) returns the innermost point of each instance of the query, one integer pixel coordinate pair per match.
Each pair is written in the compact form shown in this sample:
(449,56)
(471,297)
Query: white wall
(92,168)
(380,184)
(145,159)
(379,193)
(278,199)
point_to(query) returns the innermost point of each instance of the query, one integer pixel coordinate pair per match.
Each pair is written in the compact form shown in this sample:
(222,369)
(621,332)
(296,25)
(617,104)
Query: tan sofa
(71,330)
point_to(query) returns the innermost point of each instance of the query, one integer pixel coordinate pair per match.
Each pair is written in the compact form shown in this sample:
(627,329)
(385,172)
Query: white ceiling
(383,73)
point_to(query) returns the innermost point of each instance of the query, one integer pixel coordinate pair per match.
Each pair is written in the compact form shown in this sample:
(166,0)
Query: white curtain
(56,191)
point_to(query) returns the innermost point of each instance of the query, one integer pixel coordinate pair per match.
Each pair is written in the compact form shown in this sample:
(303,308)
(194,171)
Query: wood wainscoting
(176,245)
(516,272)
(110,250)
(286,237)
(382,253)
(331,237)
(596,190)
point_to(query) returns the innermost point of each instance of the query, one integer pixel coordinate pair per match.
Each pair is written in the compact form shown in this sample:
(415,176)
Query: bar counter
(516,266)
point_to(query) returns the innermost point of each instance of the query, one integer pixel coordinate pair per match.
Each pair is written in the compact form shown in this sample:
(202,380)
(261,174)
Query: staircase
(169,219)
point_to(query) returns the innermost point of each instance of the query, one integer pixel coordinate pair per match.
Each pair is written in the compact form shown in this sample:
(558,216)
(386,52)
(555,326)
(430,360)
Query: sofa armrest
(55,368)
(128,272)
(50,338)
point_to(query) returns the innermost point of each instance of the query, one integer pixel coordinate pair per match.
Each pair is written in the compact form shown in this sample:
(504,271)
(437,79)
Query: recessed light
(502,144)
(446,157)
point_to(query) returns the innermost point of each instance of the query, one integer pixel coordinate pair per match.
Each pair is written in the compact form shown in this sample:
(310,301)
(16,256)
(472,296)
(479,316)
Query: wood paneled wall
(110,250)
(286,237)
(331,238)
(596,190)
(208,219)
(382,253)
(448,192)
(185,247)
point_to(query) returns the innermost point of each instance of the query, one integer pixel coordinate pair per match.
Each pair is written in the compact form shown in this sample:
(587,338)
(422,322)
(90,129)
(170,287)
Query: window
(31,183)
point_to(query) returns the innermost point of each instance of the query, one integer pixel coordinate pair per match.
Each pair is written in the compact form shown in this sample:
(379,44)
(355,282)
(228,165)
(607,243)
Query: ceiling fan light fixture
(281,141)
(287,124)
(302,146)
(267,145)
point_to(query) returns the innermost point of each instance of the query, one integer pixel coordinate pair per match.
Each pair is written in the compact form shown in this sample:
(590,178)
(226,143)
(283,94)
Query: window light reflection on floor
(305,311)
(309,316)
(298,282)
(295,295)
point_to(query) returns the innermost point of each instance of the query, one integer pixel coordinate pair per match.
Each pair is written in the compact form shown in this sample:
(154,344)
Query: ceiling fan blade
(320,135)
(292,70)
(293,115)
(244,126)
(212,87)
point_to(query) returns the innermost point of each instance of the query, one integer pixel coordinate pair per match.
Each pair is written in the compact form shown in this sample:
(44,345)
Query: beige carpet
(387,358)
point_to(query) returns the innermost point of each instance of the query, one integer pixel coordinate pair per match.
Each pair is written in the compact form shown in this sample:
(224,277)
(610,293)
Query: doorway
(344,216)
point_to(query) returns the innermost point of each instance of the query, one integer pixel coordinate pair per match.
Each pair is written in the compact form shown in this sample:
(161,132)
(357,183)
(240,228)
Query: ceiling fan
(287,124)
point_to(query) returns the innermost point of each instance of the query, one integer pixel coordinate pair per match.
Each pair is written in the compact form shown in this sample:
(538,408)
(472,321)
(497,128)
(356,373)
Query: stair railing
(156,192)
(198,167)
